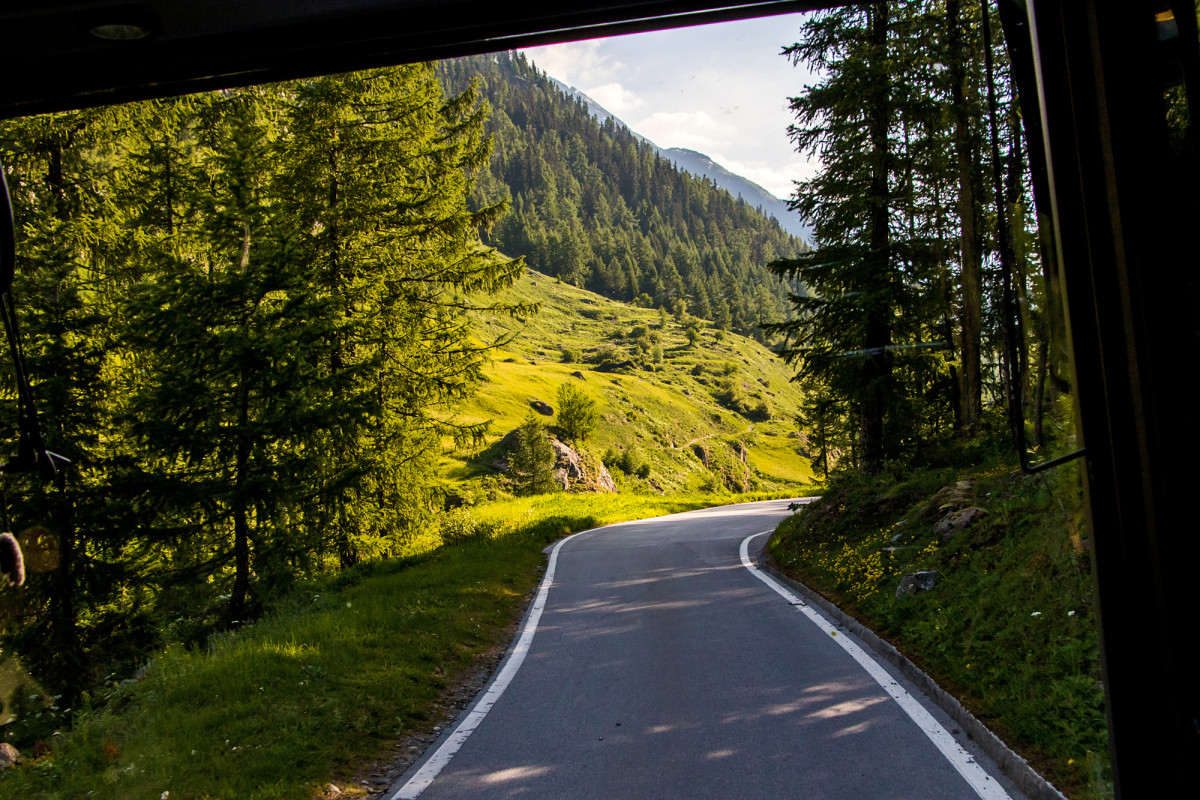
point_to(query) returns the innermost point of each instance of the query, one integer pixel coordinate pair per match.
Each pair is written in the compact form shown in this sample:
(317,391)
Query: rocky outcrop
(572,471)
(956,521)
(955,508)
(578,374)
(9,756)
(541,407)
(952,498)
(917,582)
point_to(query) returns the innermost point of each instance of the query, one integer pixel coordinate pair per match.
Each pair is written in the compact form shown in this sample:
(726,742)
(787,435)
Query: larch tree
(230,408)
(846,326)
(378,172)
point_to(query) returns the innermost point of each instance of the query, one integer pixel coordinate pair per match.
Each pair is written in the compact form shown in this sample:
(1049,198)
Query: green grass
(1010,629)
(323,685)
(659,408)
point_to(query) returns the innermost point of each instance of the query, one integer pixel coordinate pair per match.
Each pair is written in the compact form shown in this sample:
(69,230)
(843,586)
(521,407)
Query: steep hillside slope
(702,166)
(601,209)
(715,416)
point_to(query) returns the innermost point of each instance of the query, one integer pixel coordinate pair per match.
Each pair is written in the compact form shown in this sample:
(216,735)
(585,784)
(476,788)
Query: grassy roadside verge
(304,697)
(1009,628)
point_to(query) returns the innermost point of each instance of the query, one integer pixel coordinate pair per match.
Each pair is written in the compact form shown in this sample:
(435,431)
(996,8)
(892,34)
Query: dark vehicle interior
(1115,180)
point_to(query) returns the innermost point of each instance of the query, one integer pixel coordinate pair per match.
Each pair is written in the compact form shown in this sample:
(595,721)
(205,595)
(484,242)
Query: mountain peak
(704,166)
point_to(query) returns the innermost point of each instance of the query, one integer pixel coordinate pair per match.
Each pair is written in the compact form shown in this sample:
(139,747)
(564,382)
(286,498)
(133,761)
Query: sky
(719,89)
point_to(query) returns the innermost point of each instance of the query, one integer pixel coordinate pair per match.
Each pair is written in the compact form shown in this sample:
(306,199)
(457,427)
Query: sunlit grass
(659,409)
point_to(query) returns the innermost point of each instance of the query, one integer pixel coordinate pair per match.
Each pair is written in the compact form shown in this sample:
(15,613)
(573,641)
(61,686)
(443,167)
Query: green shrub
(607,352)
(460,526)
(577,415)
(629,461)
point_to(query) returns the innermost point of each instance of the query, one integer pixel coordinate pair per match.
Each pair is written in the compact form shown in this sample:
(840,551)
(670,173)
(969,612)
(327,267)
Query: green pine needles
(249,318)
(532,458)
(577,415)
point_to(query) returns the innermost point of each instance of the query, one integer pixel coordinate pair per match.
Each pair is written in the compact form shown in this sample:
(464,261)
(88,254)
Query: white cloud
(696,130)
(577,63)
(775,178)
(616,98)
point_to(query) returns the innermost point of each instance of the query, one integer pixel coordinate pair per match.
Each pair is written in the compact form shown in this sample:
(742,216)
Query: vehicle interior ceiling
(1118,191)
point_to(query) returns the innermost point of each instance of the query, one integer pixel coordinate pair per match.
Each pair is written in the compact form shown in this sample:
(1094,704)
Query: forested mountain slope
(599,208)
(703,166)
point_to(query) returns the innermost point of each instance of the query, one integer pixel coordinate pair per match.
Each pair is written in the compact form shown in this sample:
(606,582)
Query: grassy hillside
(689,411)
(1008,628)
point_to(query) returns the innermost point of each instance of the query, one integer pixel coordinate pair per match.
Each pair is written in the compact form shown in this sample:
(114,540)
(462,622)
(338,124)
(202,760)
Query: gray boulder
(571,471)
(956,521)
(952,498)
(917,582)
(541,407)
(9,756)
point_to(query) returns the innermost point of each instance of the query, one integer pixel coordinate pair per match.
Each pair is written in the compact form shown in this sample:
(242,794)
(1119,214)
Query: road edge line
(984,785)
(433,766)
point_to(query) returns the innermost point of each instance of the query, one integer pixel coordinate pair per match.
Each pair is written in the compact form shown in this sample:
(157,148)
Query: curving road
(662,667)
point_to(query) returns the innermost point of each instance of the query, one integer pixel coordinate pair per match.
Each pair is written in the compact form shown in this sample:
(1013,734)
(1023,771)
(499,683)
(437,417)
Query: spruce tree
(576,413)
(377,176)
(846,328)
(532,458)
(58,191)
(231,408)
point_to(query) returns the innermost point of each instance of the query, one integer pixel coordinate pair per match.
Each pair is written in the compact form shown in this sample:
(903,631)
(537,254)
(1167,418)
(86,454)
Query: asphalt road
(661,667)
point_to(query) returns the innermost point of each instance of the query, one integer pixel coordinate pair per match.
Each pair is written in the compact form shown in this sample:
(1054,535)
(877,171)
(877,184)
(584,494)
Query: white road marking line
(983,784)
(438,761)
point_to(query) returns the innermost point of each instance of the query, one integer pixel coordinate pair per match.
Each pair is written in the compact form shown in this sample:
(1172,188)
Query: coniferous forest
(245,314)
(598,208)
(933,294)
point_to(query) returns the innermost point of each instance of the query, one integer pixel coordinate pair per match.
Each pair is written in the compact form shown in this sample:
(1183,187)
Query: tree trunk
(966,156)
(1018,257)
(241,522)
(1039,397)
(877,367)
(71,663)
